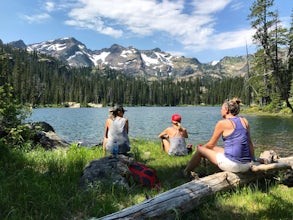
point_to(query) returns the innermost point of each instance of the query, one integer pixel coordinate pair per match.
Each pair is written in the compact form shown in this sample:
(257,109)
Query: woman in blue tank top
(238,152)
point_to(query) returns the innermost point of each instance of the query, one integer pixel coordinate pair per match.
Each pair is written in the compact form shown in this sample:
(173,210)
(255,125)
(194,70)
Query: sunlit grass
(44,185)
(250,202)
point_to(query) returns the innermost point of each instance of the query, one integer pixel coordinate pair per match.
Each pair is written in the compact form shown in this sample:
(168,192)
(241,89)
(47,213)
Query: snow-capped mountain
(131,60)
(66,49)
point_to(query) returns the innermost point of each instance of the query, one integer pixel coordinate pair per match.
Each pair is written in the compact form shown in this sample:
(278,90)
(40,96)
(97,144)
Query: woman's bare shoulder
(222,121)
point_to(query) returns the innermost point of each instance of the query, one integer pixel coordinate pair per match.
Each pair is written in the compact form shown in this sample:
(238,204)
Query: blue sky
(204,29)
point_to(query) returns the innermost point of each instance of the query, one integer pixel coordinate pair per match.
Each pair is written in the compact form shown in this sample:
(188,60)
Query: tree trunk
(186,197)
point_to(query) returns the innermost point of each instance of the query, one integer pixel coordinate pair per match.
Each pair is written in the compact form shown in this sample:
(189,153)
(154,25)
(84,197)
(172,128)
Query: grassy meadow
(43,184)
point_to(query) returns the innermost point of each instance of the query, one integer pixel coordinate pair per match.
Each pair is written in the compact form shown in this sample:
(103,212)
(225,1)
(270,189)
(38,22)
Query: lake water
(87,125)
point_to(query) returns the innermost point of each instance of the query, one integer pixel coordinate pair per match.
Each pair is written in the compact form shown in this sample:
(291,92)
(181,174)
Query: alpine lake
(86,125)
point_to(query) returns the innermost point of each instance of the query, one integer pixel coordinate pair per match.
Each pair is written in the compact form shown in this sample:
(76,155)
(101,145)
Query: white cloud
(49,6)
(37,18)
(194,30)
(96,25)
(210,6)
(230,40)
(285,21)
(145,17)
(237,5)
(223,41)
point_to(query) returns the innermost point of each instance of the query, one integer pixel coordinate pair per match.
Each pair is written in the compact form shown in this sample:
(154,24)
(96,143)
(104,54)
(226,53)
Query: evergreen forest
(40,80)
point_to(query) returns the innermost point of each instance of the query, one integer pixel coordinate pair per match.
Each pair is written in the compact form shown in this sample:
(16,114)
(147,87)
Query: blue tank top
(236,144)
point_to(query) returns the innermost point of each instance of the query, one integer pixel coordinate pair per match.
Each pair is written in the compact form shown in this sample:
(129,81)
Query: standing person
(238,151)
(118,132)
(173,138)
(107,126)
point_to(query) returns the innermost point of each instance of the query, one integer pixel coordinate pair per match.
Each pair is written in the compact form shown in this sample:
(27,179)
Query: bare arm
(183,132)
(164,133)
(127,125)
(251,147)
(107,125)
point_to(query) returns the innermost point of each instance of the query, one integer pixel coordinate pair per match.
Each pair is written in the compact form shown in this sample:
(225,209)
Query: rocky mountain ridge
(130,60)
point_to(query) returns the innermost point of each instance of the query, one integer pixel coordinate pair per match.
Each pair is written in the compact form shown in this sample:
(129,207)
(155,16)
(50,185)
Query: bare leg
(166,145)
(201,152)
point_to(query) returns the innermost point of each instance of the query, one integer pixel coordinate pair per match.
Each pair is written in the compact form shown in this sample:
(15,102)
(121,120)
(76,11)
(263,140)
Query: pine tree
(269,62)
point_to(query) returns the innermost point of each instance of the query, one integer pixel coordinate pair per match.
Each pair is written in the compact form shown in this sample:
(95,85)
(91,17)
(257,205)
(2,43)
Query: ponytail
(233,106)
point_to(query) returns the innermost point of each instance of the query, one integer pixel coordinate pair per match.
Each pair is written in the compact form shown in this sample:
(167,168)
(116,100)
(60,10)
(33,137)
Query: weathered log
(186,197)
(266,167)
(288,160)
(282,163)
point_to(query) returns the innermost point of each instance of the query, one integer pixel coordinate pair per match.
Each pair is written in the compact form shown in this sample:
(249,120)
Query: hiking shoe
(190,175)
(194,175)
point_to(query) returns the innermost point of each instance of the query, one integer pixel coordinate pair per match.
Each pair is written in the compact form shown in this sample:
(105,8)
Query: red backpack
(144,175)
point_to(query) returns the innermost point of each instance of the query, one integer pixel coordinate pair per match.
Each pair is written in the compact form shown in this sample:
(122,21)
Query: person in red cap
(173,138)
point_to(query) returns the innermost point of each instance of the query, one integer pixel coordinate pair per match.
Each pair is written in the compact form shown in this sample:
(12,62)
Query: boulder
(49,140)
(107,170)
(44,134)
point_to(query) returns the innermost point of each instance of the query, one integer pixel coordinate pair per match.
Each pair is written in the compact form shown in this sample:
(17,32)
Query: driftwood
(282,163)
(186,197)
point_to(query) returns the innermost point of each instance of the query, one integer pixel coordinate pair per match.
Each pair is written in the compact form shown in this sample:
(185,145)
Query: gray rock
(41,125)
(108,170)
(44,134)
(50,140)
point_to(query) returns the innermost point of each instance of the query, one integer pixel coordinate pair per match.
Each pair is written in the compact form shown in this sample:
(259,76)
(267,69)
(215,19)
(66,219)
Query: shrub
(12,113)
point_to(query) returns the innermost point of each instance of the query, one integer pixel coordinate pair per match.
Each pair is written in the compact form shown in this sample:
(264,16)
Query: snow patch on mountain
(215,63)
(99,57)
(57,47)
(148,60)
(75,55)
(125,53)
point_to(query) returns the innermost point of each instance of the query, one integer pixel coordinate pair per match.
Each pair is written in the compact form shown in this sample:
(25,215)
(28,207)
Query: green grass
(250,202)
(44,185)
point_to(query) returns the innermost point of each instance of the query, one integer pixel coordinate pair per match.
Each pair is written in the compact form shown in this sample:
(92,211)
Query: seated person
(118,131)
(238,152)
(107,126)
(173,138)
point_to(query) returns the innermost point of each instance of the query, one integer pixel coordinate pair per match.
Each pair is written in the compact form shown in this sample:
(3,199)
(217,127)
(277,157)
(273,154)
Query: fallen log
(186,197)
(282,163)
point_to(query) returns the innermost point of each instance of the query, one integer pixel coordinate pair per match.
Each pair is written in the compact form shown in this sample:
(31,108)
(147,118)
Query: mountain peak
(18,44)
(156,49)
(150,63)
(116,48)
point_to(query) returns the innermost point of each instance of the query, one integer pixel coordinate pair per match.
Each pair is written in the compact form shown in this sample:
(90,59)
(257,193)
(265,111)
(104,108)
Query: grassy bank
(266,111)
(44,185)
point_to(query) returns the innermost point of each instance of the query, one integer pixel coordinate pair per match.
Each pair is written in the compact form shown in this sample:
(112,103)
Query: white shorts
(231,166)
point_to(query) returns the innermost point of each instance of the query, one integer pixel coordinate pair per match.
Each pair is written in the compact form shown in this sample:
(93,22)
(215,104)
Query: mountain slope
(146,63)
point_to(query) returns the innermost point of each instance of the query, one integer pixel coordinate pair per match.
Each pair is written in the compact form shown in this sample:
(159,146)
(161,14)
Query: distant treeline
(41,80)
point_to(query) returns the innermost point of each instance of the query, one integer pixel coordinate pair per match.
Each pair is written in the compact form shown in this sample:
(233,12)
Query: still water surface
(87,124)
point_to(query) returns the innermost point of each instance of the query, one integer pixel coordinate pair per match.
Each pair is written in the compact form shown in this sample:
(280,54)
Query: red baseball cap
(176,117)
